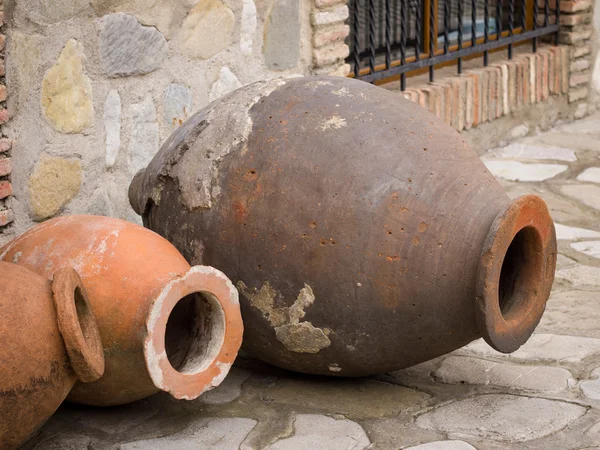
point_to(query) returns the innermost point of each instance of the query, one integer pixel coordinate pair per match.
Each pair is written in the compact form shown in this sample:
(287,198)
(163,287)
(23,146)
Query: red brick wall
(488,93)
(485,94)
(6,215)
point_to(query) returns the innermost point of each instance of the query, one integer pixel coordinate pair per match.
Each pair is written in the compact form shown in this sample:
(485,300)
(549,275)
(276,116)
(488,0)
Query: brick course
(329,33)
(484,94)
(6,214)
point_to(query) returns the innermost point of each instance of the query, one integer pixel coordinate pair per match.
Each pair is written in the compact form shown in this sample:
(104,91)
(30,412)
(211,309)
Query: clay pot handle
(77,325)
(515,275)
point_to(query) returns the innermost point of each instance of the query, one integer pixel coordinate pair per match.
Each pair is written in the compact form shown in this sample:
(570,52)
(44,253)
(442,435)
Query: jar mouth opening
(521,273)
(194,331)
(516,273)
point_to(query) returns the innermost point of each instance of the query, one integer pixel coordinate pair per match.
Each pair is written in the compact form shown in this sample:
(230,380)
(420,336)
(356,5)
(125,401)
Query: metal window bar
(394,37)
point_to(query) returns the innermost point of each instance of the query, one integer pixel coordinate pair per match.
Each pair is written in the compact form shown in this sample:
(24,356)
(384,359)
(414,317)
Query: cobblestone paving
(544,396)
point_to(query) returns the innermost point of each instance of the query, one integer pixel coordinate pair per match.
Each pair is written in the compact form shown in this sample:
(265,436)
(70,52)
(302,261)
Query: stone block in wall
(226,83)
(248,25)
(208,29)
(47,12)
(281,46)
(329,55)
(3,116)
(54,182)
(322,4)
(574,37)
(129,48)
(580,51)
(568,6)
(5,189)
(112,127)
(334,70)
(577,94)
(144,140)
(564,66)
(572,20)
(579,65)
(330,35)
(580,78)
(5,166)
(166,15)
(6,217)
(67,100)
(329,17)
(178,103)
(5,145)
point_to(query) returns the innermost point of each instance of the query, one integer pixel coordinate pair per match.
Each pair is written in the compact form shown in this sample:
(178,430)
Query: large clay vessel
(363,233)
(164,325)
(49,339)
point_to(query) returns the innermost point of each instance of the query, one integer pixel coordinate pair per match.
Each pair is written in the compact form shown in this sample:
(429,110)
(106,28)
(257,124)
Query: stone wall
(596,68)
(330,30)
(97,85)
(577,32)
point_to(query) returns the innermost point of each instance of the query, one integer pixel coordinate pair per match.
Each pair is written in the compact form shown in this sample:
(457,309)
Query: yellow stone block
(67,92)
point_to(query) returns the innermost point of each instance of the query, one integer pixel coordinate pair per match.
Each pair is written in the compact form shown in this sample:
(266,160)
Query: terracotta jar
(49,340)
(364,235)
(164,325)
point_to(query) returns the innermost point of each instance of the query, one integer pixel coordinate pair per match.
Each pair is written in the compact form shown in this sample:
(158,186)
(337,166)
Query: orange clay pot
(49,340)
(164,325)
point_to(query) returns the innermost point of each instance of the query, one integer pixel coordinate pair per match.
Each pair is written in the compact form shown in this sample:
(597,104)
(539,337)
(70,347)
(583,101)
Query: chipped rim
(506,330)
(224,343)
(77,325)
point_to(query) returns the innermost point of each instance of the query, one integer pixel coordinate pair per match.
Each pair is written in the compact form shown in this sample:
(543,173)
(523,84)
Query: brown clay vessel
(363,233)
(49,339)
(164,325)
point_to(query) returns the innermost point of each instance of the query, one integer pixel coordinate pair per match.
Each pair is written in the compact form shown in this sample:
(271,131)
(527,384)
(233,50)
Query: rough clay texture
(194,176)
(542,397)
(107,81)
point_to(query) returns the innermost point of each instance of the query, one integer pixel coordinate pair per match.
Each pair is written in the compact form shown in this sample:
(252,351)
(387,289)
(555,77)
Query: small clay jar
(49,340)
(164,325)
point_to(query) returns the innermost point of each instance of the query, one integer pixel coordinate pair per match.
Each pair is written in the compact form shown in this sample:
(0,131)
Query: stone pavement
(544,396)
